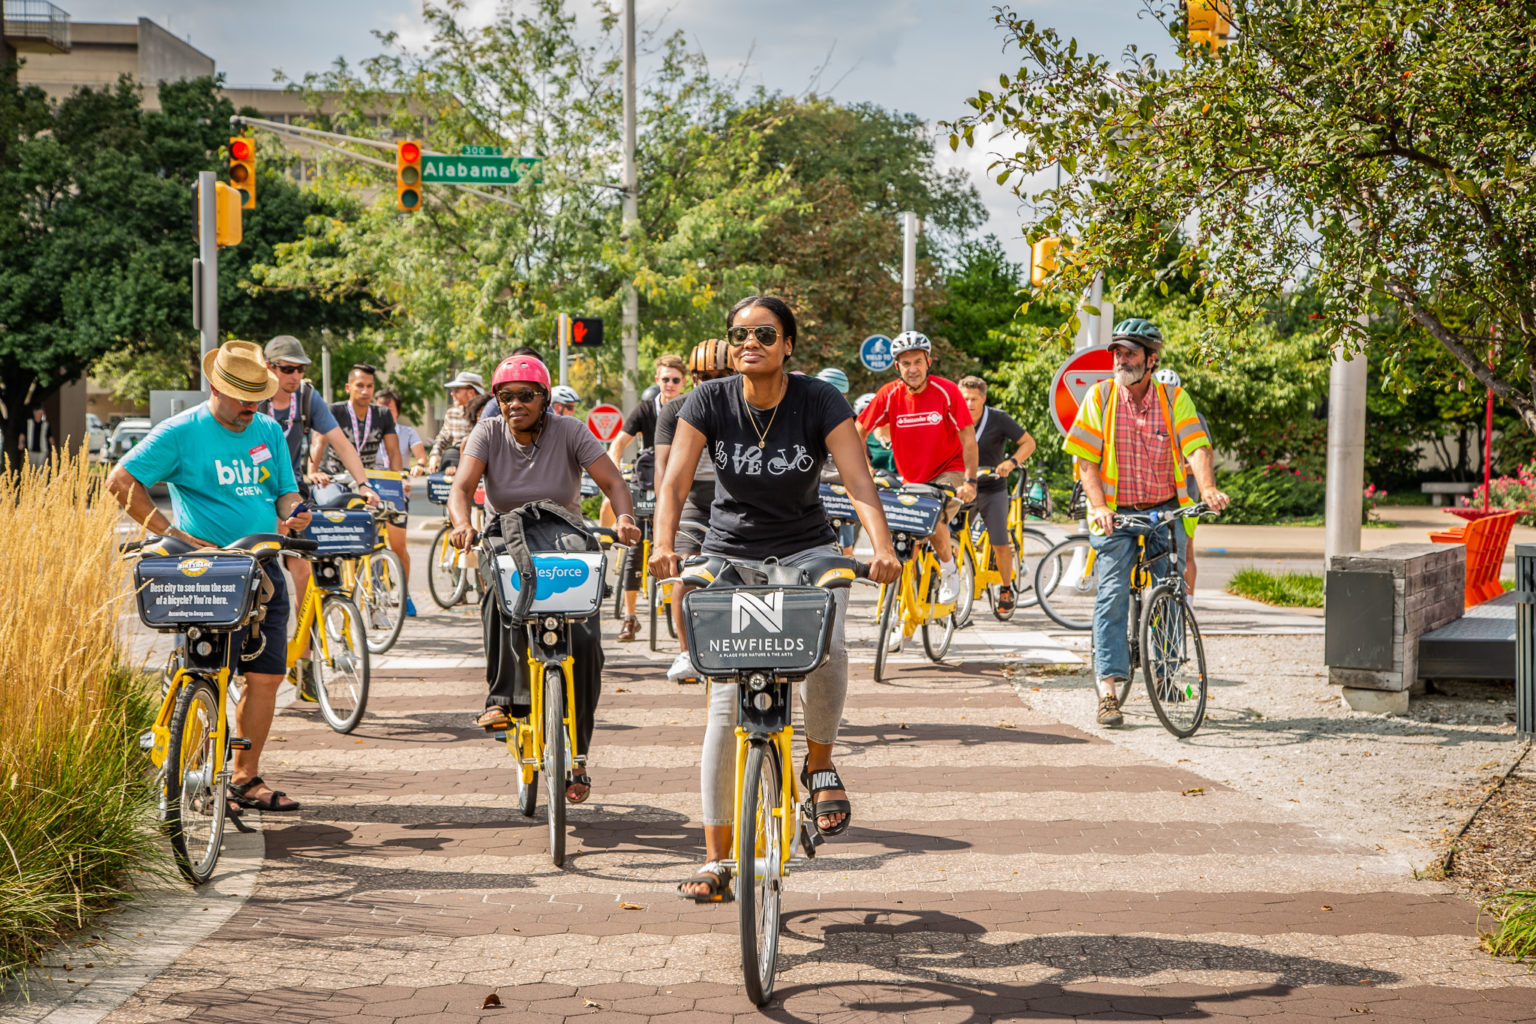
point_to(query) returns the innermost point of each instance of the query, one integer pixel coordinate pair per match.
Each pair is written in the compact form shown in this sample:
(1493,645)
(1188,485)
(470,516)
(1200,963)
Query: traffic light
(1210,22)
(227,222)
(242,169)
(1042,260)
(587,330)
(407,176)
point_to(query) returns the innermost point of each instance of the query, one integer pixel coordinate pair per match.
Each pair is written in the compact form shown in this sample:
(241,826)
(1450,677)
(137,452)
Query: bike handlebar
(1158,520)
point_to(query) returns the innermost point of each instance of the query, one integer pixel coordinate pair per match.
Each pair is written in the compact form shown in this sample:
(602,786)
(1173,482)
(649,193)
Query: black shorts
(690,538)
(273,659)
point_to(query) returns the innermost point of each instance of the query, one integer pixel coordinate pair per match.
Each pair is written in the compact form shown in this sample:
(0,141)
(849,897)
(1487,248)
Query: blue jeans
(1112,607)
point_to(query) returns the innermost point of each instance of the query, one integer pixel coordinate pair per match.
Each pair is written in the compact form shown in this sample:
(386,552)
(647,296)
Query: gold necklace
(762,435)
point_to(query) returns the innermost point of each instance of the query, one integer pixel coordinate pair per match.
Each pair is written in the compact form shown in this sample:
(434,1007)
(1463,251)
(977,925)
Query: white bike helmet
(910,341)
(862,402)
(564,395)
(1167,377)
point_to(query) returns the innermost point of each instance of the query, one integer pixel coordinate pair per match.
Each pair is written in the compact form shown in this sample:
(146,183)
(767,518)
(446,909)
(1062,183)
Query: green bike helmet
(1142,332)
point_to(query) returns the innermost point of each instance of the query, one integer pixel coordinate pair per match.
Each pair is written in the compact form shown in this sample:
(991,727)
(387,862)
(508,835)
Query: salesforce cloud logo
(556,575)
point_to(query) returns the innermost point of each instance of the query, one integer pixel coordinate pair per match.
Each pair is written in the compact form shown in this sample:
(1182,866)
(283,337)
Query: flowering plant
(1518,491)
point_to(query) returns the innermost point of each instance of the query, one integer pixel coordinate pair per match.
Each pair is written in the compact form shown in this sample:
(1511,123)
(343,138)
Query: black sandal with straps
(820,781)
(715,874)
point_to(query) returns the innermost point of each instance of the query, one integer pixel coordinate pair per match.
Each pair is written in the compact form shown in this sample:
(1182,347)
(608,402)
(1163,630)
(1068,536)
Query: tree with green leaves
(1379,151)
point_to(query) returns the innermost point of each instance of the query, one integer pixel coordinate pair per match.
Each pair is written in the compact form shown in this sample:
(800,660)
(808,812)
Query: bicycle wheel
(888,599)
(1030,547)
(445,578)
(937,633)
(554,760)
(195,799)
(967,599)
(759,849)
(380,595)
(341,665)
(1173,660)
(653,598)
(1067,583)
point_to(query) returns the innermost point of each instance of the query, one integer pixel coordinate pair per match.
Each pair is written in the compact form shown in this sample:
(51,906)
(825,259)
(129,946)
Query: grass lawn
(1288,589)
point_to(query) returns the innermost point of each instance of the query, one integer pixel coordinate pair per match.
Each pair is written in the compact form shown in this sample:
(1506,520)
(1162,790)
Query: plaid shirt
(456,427)
(1143,451)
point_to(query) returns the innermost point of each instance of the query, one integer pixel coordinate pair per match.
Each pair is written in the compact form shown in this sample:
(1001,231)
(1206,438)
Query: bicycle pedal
(239,743)
(500,736)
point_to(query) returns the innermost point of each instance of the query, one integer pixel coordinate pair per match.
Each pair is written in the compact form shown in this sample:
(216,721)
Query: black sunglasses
(766,334)
(523,395)
(280,368)
(670,380)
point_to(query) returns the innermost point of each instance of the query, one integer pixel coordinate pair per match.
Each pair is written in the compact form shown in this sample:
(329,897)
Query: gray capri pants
(993,508)
(821,698)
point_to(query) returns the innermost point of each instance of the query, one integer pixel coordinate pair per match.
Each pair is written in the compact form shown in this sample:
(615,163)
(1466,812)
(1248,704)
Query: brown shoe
(1109,711)
(629,629)
(494,717)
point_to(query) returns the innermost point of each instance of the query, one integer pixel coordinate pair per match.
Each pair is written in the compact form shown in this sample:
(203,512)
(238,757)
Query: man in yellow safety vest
(1130,439)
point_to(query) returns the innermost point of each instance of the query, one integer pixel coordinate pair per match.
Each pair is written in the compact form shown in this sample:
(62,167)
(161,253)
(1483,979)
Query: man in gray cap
(464,388)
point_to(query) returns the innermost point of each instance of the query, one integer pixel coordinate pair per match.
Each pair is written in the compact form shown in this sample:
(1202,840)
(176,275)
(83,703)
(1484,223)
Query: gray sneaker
(1109,711)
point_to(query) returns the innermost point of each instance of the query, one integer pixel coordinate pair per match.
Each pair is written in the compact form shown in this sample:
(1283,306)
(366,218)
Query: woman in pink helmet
(526,454)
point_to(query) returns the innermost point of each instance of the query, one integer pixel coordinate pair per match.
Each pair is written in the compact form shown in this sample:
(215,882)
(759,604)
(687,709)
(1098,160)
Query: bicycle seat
(928,491)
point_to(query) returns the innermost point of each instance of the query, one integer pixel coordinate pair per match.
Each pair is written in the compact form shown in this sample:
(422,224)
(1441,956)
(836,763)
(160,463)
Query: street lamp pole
(630,341)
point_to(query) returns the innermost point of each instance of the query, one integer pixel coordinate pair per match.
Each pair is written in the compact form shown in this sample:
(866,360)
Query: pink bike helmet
(515,368)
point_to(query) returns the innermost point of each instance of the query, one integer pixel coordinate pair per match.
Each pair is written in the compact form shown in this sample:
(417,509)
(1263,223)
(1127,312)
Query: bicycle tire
(937,633)
(1170,639)
(1029,548)
(1068,603)
(653,598)
(445,581)
(195,799)
(888,598)
(554,760)
(966,601)
(380,596)
(341,666)
(759,855)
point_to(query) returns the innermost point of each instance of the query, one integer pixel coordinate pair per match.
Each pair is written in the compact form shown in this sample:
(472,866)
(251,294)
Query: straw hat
(238,369)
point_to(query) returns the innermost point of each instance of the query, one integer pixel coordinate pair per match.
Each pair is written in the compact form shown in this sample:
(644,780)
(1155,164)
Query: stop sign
(604,421)
(1072,381)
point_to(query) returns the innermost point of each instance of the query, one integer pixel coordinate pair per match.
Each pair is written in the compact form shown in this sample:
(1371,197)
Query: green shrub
(1270,494)
(1515,915)
(1287,589)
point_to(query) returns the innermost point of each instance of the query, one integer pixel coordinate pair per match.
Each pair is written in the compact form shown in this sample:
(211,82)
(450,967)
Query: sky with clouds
(921,56)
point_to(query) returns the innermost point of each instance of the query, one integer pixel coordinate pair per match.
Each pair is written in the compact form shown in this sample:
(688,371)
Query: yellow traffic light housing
(1042,260)
(242,169)
(408,176)
(1210,22)
(228,228)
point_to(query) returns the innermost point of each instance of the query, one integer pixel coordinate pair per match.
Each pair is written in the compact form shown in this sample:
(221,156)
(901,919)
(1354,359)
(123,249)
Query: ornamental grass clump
(1514,936)
(76,807)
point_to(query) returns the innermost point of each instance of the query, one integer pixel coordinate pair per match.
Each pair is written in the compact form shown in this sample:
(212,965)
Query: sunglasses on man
(285,369)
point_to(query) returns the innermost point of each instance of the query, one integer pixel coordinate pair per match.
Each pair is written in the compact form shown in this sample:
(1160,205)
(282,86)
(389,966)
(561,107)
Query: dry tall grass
(74,792)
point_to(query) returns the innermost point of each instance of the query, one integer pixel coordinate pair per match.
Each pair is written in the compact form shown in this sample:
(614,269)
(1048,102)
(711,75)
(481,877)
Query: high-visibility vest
(1092,436)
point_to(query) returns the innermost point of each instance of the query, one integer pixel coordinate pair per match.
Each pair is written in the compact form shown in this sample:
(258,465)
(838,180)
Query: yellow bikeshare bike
(335,673)
(761,627)
(974,546)
(449,573)
(911,604)
(569,589)
(213,597)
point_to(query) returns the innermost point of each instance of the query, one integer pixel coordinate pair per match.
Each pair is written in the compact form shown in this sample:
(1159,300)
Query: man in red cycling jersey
(932,438)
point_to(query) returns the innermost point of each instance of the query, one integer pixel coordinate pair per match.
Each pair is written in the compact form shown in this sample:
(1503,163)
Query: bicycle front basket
(569,582)
(214,591)
(914,514)
(835,500)
(349,532)
(438,486)
(739,629)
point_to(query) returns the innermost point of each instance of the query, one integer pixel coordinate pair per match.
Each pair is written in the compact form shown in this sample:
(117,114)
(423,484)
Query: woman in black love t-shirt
(768,434)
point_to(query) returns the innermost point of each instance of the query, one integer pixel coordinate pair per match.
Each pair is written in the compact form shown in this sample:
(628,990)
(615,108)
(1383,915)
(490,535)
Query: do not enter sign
(604,421)
(1072,381)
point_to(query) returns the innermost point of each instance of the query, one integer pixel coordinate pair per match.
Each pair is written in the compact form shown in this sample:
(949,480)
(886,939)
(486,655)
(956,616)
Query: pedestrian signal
(242,169)
(407,176)
(1042,260)
(227,226)
(1210,22)
(587,330)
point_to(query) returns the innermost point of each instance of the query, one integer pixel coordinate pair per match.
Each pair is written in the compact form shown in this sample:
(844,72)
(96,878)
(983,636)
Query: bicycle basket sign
(740,629)
(913,514)
(390,487)
(438,486)
(350,532)
(835,500)
(569,582)
(1073,381)
(215,592)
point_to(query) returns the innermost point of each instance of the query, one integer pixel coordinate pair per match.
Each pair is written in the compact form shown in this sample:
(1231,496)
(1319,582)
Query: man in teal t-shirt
(228,470)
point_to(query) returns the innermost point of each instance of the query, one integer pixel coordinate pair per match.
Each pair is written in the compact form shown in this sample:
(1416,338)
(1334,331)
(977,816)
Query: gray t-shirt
(549,468)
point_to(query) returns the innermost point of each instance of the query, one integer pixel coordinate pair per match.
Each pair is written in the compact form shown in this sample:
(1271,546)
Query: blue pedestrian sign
(875,353)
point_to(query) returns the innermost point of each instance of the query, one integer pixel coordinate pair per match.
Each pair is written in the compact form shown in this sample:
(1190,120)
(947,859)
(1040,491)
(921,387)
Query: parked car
(129,432)
(96,433)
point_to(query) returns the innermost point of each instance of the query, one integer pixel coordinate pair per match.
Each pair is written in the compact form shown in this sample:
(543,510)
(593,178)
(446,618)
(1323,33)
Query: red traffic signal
(242,170)
(587,330)
(407,176)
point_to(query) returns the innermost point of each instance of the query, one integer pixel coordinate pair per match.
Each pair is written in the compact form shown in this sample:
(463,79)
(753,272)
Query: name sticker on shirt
(260,454)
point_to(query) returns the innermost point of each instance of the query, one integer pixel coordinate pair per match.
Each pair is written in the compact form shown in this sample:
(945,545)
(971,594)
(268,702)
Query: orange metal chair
(1486,537)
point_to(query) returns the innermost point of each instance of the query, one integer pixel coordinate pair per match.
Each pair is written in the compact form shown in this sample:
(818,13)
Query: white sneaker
(949,586)
(682,668)
(894,643)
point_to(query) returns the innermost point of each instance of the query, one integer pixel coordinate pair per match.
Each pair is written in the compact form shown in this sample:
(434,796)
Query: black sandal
(714,874)
(820,781)
(237,793)
(577,780)
(1006,602)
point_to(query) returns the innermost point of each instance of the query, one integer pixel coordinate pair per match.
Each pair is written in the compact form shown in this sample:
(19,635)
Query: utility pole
(630,341)
(1346,454)
(563,336)
(910,226)
(208,262)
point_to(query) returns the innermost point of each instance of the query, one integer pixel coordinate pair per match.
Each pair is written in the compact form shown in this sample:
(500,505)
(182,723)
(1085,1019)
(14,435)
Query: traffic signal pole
(630,338)
(909,229)
(563,332)
(208,263)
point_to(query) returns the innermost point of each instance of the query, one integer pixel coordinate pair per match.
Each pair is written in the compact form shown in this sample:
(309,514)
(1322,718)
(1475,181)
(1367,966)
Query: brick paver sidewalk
(1002,866)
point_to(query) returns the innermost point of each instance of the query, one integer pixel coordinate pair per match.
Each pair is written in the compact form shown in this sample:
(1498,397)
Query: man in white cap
(228,475)
(464,388)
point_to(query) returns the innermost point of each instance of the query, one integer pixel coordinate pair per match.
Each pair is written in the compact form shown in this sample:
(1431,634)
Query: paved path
(1003,866)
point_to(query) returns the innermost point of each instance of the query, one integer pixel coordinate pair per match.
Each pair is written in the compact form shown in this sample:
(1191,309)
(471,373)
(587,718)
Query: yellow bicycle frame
(913,606)
(525,741)
(789,798)
(309,613)
(162,727)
